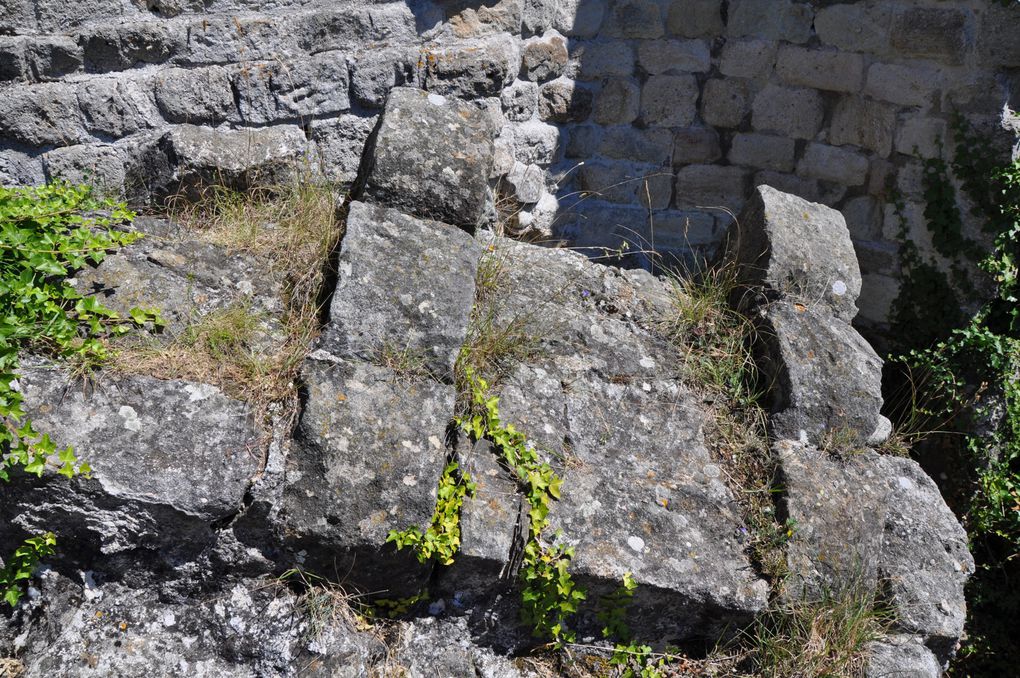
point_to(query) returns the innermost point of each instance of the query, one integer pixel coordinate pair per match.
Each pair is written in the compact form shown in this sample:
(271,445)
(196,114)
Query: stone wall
(637,121)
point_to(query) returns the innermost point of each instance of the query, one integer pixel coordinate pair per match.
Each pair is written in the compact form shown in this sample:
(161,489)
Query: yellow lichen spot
(123,626)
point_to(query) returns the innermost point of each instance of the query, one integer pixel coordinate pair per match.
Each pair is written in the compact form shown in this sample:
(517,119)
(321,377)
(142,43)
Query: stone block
(901,656)
(795,249)
(627,183)
(423,306)
(564,100)
(544,58)
(763,151)
(374,73)
(17,16)
(772,19)
(474,70)
(821,69)
(863,218)
(225,38)
(906,85)
(526,181)
(201,95)
(101,167)
(930,32)
(618,103)
(674,56)
(42,115)
(20,169)
(605,59)
(878,294)
(862,122)
(669,100)
(344,27)
(118,48)
(711,186)
(633,19)
(828,163)
(583,141)
(653,146)
(857,27)
(579,18)
(318,86)
(339,143)
(921,137)
(996,39)
(536,143)
(501,16)
(695,18)
(878,256)
(431,158)
(369,461)
(12,59)
(725,103)
(748,58)
(52,58)
(520,101)
(696,145)
(793,112)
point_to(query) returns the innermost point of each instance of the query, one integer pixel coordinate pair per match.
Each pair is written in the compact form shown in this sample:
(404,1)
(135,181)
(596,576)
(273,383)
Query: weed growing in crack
(441,539)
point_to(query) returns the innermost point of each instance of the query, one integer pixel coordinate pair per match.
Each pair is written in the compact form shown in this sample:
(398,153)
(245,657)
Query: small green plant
(550,595)
(441,539)
(22,564)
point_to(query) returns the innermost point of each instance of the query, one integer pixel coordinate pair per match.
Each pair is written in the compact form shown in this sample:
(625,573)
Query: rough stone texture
(901,657)
(836,71)
(797,113)
(431,157)
(797,249)
(826,379)
(405,285)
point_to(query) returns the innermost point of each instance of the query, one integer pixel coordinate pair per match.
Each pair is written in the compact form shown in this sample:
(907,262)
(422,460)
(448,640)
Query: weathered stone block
(195,96)
(53,57)
(629,143)
(564,100)
(901,656)
(829,163)
(369,459)
(17,16)
(579,18)
(343,27)
(863,217)
(669,100)
(421,307)
(43,115)
(748,58)
(375,73)
(878,294)
(929,31)
(674,56)
(526,181)
(536,143)
(98,166)
(793,112)
(763,151)
(520,101)
(633,19)
(583,141)
(913,85)
(339,143)
(605,59)
(865,123)
(626,183)
(117,48)
(825,377)
(821,69)
(544,58)
(772,19)
(921,137)
(996,38)
(695,18)
(20,169)
(725,103)
(696,145)
(12,59)
(618,103)
(795,249)
(855,27)
(713,186)
(474,70)
(431,158)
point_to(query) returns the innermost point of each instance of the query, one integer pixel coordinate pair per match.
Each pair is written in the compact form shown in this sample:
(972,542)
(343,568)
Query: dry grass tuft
(11,668)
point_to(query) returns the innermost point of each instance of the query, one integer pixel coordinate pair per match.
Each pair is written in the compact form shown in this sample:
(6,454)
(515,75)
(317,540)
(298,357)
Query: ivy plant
(441,540)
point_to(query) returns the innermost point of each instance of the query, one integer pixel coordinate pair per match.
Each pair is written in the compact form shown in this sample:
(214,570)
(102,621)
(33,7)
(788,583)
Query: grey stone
(633,19)
(115,107)
(626,182)
(579,18)
(669,100)
(913,85)
(748,58)
(564,100)
(520,101)
(195,96)
(674,56)
(821,69)
(150,494)
(422,310)
(773,19)
(536,143)
(118,48)
(375,73)
(20,169)
(996,39)
(901,657)
(42,115)
(339,143)
(618,103)
(930,31)
(791,112)
(696,145)
(344,26)
(52,58)
(629,143)
(695,18)
(475,70)
(200,156)
(855,27)
(711,186)
(826,379)
(369,460)
(809,189)
(605,59)
(431,157)
(63,16)
(921,137)
(233,38)
(12,59)
(863,217)
(17,16)
(544,58)
(865,123)
(763,151)
(829,163)
(527,182)
(315,87)
(725,102)
(582,141)
(796,249)
(99,166)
